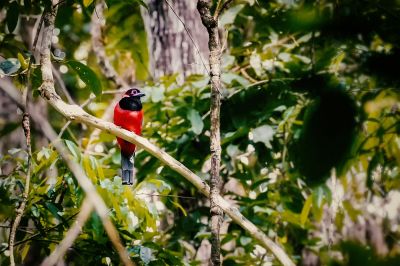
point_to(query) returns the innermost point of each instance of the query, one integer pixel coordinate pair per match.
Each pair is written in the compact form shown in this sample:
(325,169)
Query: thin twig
(27,131)
(39,233)
(71,235)
(60,82)
(20,210)
(39,27)
(168,196)
(218,10)
(190,36)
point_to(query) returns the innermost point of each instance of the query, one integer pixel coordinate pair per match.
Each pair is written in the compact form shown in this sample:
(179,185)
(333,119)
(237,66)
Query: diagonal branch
(77,114)
(47,89)
(111,74)
(71,235)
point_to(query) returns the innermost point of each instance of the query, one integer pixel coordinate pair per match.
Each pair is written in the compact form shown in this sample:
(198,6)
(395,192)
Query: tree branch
(20,211)
(221,8)
(214,45)
(48,92)
(71,235)
(77,114)
(108,71)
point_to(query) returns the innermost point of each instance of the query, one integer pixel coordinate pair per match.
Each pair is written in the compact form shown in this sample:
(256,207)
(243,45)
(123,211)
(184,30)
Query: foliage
(309,86)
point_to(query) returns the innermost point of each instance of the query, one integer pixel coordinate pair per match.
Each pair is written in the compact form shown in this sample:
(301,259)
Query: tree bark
(214,45)
(170,48)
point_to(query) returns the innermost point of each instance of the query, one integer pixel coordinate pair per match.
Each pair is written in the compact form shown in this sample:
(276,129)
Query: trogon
(128,114)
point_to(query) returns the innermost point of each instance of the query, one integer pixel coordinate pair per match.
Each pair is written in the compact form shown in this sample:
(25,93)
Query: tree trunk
(170,46)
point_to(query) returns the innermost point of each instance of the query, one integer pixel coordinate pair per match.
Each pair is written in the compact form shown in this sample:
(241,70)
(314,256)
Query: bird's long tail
(128,174)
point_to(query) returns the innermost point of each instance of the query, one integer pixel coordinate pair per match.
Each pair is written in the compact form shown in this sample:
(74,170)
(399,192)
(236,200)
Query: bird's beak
(140,94)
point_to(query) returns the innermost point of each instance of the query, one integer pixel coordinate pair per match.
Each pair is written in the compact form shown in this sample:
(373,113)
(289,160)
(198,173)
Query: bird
(128,114)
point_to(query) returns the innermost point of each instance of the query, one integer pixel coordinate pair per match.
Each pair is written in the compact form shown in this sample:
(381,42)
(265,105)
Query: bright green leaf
(196,121)
(86,75)
(73,149)
(87,2)
(228,17)
(306,210)
(176,204)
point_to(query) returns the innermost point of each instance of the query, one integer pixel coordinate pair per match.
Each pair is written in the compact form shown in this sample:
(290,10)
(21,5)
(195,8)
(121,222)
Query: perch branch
(77,114)
(47,91)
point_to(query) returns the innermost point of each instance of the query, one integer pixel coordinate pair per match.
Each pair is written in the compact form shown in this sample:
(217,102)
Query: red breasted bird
(128,114)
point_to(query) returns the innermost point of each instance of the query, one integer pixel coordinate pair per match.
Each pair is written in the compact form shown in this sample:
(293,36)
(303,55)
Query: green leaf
(176,204)
(256,63)
(263,134)
(87,3)
(146,254)
(87,75)
(9,66)
(228,17)
(244,240)
(73,149)
(157,94)
(54,210)
(12,16)
(229,77)
(306,210)
(196,121)
(351,211)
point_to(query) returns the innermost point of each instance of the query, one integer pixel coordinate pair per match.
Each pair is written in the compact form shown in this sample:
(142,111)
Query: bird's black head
(134,92)
(131,100)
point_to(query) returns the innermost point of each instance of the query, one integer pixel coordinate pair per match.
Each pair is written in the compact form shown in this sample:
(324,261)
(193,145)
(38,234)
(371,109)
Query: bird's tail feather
(128,174)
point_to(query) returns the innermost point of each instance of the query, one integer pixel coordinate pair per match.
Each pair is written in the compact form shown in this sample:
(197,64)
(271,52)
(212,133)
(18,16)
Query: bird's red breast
(129,120)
